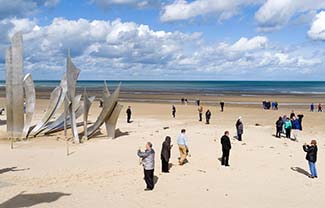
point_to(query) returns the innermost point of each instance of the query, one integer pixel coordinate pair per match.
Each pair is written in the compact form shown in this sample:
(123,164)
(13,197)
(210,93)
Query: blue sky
(169,39)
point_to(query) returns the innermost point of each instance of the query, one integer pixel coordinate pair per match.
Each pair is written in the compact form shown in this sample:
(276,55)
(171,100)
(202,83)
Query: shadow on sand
(301,171)
(29,200)
(119,133)
(12,169)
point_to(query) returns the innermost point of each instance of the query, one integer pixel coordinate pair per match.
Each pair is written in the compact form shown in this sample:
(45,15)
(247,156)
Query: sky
(168,39)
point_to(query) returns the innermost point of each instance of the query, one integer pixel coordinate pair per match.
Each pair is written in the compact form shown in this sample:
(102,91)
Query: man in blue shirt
(183,147)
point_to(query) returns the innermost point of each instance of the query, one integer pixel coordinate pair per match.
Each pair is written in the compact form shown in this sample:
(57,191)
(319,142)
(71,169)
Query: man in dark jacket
(148,162)
(222,105)
(208,116)
(226,146)
(128,114)
(279,126)
(173,111)
(311,156)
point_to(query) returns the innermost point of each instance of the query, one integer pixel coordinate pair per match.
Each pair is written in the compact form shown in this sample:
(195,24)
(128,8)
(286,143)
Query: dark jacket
(239,127)
(128,111)
(208,114)
(279,123)
(311,153)
(225,142)
(165,150)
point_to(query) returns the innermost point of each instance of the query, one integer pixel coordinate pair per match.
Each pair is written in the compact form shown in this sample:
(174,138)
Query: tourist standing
(207,116)
(222,105)
(311,157)
(173,111)
(279,127)
(198,102)
(312,107)
(200,110)
(128,114)
(165,154)
(320,107)
(148,162)
(226,146)
(295,127)
(183,147)
(300,117)
(239,128)
(288,127)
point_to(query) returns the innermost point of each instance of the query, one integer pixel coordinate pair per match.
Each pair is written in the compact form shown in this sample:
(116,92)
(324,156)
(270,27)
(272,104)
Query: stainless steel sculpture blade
(58,123)
(14,87)
(109,105)
(72,76)
(53,106)
(87,103)
(111,121)
(30,99)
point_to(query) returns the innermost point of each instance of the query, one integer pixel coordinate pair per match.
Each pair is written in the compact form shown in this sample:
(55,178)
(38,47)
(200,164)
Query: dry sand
(106,173)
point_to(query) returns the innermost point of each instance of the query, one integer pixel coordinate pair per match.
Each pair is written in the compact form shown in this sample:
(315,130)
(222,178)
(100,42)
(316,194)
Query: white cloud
(183,9)
(274,14)
(317,29)
(116,49)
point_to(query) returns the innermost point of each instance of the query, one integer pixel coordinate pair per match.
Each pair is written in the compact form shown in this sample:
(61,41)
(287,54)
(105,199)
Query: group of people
(287,125)
(319,107)
(267,105)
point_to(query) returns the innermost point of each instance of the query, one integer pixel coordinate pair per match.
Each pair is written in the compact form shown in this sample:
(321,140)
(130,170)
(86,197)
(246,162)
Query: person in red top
(320,107)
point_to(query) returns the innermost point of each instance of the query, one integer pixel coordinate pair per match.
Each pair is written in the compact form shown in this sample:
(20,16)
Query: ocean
(243,88)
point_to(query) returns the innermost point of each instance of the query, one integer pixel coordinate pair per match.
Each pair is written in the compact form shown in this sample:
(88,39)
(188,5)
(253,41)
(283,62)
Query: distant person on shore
(276,105)
(226,146)
(183,147)
(292,114)
(148,162)
(101,103)
(128,114)
(207,116)
(222,105)
(173,111)
(165,154)
(198,102)
(279,127)
(200,110)
(320,107)
(311,157)
(183,100)
(273,105)
(312,107)
(288,127)
(239,128)
(300,117)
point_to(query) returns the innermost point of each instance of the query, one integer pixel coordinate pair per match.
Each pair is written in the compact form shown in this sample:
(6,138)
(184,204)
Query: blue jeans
(312,168)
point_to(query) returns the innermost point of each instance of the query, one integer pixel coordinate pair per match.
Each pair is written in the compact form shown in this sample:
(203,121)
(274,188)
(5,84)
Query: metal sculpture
(111,121)
(72,76)
(86,104)
(14,87)
(110,101)
(30,101)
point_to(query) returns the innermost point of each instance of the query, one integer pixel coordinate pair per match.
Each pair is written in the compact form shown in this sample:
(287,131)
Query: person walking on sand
(279,127)
(222,105)
(148,162)
(226,146)
(320,107)
(239,128)
(173,111)
(312,107)
(200,110)
(207,116)
(128,114)
(288,127)
(311,157)
(165,154)
(183,147)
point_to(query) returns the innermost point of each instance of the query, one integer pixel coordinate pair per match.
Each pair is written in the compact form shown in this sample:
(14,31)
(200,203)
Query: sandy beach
(265,171)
